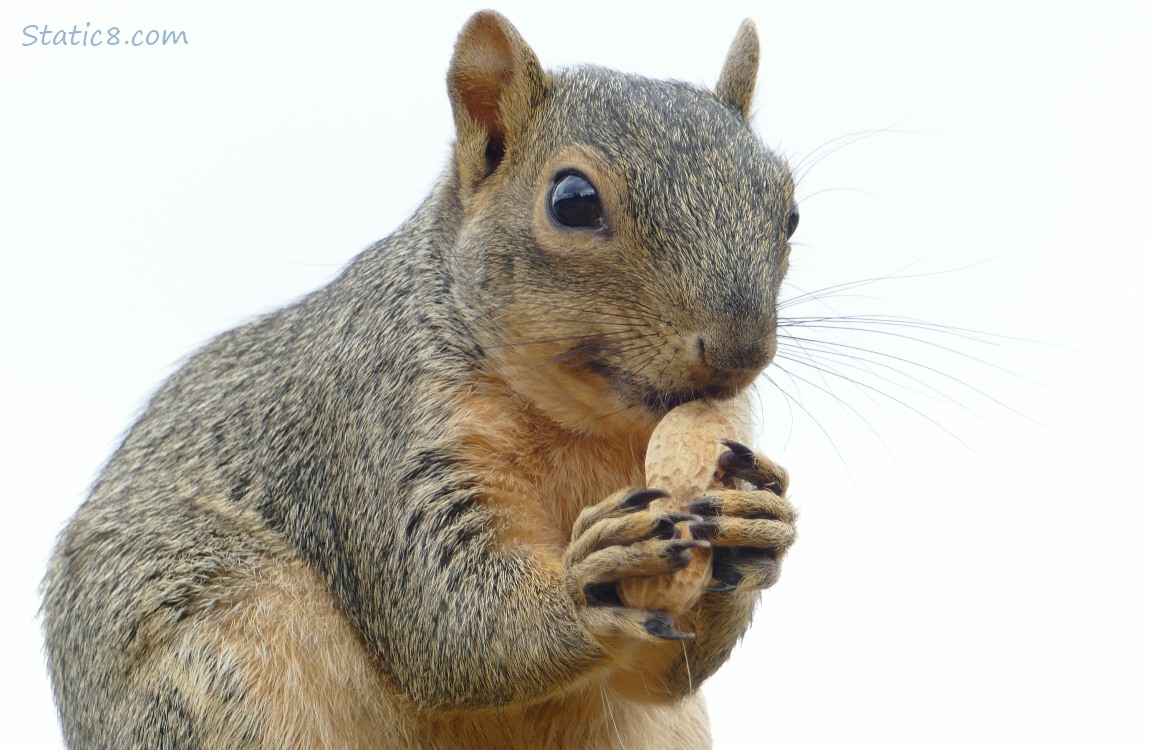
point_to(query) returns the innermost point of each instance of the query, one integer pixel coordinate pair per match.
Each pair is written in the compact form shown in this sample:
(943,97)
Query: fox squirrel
(393,513)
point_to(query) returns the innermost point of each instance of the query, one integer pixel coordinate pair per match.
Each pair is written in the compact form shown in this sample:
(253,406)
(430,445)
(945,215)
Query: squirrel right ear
(495,81)
(736,85)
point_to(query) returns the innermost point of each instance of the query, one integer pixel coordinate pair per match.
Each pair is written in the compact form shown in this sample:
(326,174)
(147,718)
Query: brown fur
(392,514)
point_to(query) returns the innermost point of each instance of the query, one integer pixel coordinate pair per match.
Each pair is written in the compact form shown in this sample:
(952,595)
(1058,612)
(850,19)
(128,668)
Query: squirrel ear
(736,84)
(495,81)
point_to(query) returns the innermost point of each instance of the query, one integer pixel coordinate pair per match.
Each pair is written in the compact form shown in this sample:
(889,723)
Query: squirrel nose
(745,350)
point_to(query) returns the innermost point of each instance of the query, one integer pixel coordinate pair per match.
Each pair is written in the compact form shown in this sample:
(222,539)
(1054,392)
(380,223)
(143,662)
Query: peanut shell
(682,458)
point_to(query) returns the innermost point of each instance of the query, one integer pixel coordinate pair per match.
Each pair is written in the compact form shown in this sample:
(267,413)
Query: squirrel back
(391,514)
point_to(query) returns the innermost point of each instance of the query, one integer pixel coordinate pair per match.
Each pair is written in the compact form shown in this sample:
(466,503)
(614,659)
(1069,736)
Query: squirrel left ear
(495,81)
(736,85)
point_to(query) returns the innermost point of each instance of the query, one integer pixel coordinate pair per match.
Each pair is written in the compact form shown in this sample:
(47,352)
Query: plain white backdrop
(971,567)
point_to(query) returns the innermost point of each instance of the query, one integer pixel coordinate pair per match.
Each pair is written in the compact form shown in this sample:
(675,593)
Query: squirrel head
(622,240)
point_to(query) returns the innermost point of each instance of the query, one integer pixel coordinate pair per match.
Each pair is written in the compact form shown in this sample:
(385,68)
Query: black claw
(703,506)
(703,529)
(724,572)
(721,588)
(603,595)
(678,550)
(743,451)
(641,499)
(745,567)
(682,545)
(740,462)
(668,526)
(738,459)
(661,628)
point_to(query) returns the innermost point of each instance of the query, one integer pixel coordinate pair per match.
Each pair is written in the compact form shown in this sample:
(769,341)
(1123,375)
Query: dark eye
(575,203)
(792,221)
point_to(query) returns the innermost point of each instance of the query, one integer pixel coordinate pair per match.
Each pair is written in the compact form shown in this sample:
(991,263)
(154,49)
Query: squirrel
(393,513)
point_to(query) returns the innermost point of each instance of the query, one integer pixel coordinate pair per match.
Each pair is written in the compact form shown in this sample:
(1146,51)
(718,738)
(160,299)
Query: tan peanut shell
(682,458)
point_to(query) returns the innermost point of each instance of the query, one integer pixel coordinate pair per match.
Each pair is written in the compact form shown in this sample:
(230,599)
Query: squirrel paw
(750,522)
(622,537)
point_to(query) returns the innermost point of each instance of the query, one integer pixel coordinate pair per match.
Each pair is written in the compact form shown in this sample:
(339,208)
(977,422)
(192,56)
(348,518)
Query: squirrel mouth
(661,401)
(637,391)
(664,401)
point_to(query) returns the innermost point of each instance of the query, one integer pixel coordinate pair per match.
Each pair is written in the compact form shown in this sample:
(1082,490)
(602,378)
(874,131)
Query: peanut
(682,458)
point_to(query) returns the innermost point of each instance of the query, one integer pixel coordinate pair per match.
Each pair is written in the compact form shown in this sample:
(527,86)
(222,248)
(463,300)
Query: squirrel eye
(574,202)
(792,221)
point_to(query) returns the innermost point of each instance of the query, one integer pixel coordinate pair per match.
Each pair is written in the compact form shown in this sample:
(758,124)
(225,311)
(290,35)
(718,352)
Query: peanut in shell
(682,458)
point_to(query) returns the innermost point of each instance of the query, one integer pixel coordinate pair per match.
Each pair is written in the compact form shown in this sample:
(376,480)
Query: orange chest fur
(536,475)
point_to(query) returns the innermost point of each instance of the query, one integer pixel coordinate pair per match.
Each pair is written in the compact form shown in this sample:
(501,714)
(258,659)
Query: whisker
(834,349)
(805,164)
(763,409)
(860,365)
(794,400)
(975,336)
(895,399)
(829,391)
(835,290)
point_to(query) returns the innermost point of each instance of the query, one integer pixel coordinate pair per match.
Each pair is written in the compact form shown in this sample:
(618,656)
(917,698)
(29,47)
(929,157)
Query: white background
(971,567)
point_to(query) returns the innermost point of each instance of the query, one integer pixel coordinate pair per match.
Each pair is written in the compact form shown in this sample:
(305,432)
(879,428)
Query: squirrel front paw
(619,538)
(751,523)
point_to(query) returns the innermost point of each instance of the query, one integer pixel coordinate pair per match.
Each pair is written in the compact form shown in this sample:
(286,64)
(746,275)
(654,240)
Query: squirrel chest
(537,475)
